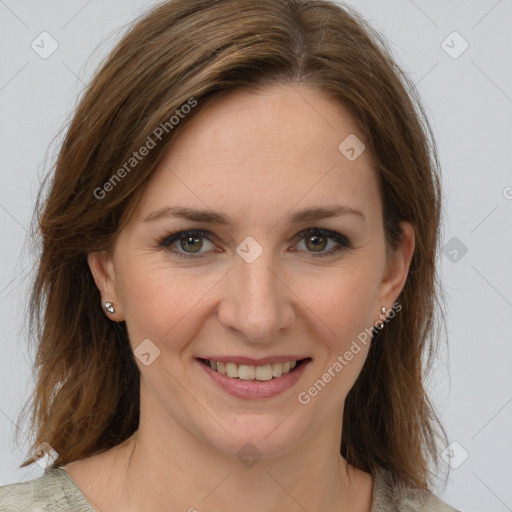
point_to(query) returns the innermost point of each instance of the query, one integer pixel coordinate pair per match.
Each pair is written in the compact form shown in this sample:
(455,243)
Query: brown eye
(316,242)
(193,243)
(187,244)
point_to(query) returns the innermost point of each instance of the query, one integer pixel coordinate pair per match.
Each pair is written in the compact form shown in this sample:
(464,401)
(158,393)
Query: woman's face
(253,172)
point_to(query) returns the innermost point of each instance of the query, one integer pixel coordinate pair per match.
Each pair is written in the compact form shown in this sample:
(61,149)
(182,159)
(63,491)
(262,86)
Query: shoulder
(54,491)
(390,495)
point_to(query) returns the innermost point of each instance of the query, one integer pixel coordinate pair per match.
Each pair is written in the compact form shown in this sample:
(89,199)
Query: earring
(109,307)
(384,311)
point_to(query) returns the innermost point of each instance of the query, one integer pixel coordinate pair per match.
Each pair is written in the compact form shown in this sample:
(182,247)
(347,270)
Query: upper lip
(249,361)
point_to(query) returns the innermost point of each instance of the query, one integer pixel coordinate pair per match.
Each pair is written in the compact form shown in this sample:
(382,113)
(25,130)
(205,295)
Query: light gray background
(469,102)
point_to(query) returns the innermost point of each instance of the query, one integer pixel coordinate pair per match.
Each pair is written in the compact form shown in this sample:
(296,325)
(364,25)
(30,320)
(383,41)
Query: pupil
(316,240)
(193,242)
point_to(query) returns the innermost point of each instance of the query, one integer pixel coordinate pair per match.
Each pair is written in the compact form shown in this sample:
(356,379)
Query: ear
(397,268)
(103,273)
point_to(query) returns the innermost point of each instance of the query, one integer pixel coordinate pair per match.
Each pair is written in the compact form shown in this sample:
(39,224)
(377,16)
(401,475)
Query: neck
(177,472)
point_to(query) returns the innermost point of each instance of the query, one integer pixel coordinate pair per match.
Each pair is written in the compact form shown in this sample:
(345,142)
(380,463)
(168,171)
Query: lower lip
(254,389)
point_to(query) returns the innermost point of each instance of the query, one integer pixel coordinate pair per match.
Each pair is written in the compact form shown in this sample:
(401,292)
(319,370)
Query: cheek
(344,302)
(157,303)
(346,307)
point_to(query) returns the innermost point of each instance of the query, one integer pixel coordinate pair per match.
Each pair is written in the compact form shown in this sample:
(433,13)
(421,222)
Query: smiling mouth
(257,373)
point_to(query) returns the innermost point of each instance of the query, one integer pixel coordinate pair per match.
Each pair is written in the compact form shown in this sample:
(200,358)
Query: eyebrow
(199,215)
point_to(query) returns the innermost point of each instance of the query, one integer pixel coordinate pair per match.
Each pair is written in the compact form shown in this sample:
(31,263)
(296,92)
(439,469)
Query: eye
(189,243)
(316,240)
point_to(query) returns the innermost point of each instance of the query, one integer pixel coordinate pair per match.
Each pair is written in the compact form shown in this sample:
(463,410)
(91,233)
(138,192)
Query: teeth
(264,372)
(248,372)
(231,369)
(277,369)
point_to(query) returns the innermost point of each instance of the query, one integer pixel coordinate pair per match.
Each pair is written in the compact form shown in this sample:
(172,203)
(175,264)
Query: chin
(253,436)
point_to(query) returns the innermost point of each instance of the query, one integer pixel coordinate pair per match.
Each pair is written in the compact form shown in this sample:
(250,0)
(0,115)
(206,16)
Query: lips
(261,372)
(251,381)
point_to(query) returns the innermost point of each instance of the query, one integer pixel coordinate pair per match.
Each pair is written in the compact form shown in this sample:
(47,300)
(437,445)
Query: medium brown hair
(86,398)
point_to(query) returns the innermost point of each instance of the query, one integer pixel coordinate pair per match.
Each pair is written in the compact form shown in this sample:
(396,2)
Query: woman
(237,279)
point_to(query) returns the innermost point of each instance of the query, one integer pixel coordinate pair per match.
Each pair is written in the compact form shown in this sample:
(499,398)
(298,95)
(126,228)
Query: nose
(258,303)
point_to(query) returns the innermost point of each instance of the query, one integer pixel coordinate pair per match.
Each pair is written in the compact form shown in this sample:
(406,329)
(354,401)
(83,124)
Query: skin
(258,157)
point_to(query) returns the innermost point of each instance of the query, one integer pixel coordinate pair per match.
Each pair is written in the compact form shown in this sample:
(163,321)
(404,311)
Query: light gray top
(55,491)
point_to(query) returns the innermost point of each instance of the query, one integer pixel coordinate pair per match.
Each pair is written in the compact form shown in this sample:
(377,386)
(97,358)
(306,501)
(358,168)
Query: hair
(86,395)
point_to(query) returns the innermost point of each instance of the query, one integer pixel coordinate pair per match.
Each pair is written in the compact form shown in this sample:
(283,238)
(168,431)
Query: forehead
(265,150)
(269,122)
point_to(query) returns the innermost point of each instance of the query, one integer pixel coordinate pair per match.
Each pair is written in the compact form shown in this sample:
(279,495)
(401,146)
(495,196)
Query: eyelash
(343,241)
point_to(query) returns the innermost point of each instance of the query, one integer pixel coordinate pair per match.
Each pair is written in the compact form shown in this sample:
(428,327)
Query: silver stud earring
(384,311)
(109,307)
